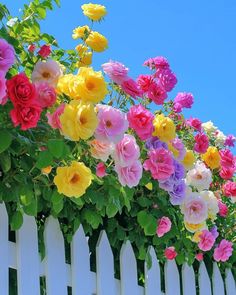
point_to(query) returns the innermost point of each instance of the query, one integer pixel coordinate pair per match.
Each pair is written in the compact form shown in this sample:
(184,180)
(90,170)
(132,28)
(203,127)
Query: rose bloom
(140,119)
(220,138)
(230,140)
(207,240)
(79,32)
(223,209)
(54,118)
(94,12)
(131,88)
(97,42)
(7,55)
(199,256)
(212,157)
(179,147)
(195,123)
(73,180)
(129,175)
(201,143)
(209,127)
(227,173)
(101,150)
(145,82)
(46,71)
(25,116)
(170,253)
(194,208)
(183,100)
(20,90)
(3,88)
(44,51)
(189,160)
(160,164)
(158,63)
(167,79)
(101,170)
(227,159)
(46,95)
(212,203)
(164,128)
(193,228)
(126,151)
(112,124)
(223,251)
(157,93)
(163,226)
(31,48)
(116,71)
(229,189)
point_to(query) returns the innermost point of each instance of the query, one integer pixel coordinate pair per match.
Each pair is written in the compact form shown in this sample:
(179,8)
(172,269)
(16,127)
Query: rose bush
(109,152)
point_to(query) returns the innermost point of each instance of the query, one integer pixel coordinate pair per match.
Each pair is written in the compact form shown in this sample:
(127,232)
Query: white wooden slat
(27,258)
(4,255)
(188,280)
(80,264)
(55,267)
(217,281)
(105,267)
(204,281)
(128,270)
(172,281)
(230,283)
(152,275)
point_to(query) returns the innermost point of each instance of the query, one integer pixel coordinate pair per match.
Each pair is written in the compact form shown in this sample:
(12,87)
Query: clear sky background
(197,37)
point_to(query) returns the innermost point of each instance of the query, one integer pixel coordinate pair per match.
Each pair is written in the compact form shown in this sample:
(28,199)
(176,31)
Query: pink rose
(195,124)
(157,93)
(170,253)
(44,51)
(144,82)
(164,226)
(223,209)
(199,256)
(3,88)
(229,189)
(101,170)
(201,143)
(158,63)
(167,78)
(54,118)
(223,251)
(26,116)
(183,100)
(227,159)
(160,164)
(140,119)
(131,88)
(116,71)
(7,55)
(101,150)
(130,175)
(126,151)
(227,173)
(46,94)
(207,240)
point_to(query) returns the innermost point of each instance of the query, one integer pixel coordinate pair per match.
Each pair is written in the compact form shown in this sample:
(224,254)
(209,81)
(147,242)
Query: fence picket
(152,275)
(217,281)
(128,270)
(204,281)
(4,253)
(105,267)
(55,267)
(80,264)
(188,280)
(27,258)
(172,281)
(230,283)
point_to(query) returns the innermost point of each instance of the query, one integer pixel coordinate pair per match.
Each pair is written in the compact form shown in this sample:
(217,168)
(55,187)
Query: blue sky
(197,37)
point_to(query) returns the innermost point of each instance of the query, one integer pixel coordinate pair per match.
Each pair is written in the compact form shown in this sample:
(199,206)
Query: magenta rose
(131,88)
(157,93)
(229,189)
(170,253)
(201,143)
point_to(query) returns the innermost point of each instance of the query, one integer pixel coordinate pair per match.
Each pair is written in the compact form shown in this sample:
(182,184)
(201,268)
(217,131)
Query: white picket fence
(23,256)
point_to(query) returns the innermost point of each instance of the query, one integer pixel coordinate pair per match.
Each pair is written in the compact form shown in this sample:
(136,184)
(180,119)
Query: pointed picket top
(172,280)
(152,275)
(4,254)
(105,266)
(80,264)
(188,280)
(27,257)
(55,267)
(217,281)
(128,270)
(230,283)
(204,280)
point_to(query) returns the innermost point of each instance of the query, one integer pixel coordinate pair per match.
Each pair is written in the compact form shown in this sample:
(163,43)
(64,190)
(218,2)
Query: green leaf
(111,210)
(26,195)
(56,197)
(5,162)
(56,147)
(147,222)
(45,159)
(32,208)
(5,140)
(58,2)
(57,207)
(41,12)
(92,217)
(16,220)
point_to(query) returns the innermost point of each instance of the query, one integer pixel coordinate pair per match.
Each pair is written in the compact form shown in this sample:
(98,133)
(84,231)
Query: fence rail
(23,256)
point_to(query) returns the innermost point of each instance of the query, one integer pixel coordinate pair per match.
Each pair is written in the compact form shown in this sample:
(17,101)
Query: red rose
(26,116)
(44,51)
(20,90)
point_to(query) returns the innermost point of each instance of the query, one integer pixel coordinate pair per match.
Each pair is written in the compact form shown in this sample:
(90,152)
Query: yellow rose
(164,128)
(80,32)
(189,160)
(92,86)
(196,237)
(72,181)
(194,227)
(81,49)
(94,12)
(67,84)
(212,157)
(174,151)
(85,60)
(97,42)
(78,120)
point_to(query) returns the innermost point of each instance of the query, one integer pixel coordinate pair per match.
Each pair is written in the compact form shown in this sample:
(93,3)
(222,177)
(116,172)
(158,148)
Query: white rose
(209,127)
(199,177)
(212,203)
(220,138)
